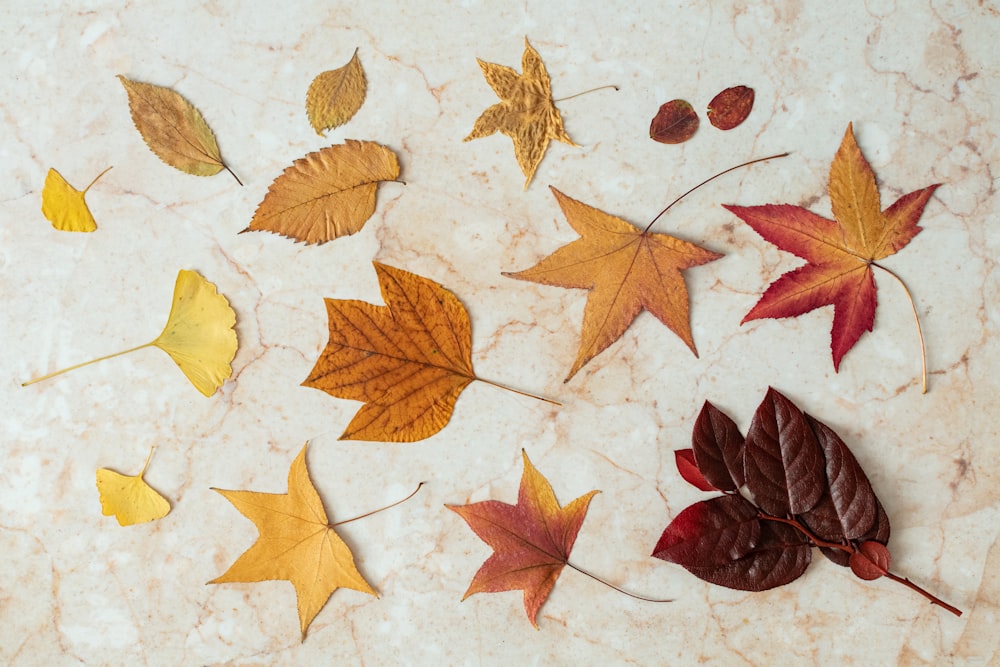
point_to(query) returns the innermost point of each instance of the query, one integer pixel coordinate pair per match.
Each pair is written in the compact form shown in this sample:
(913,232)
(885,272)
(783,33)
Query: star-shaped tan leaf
(296,544)
(526,112)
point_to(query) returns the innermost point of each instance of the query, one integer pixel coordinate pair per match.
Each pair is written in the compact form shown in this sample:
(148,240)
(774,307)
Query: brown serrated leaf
(326,194)
(674,123)
(730,107)
(335,96)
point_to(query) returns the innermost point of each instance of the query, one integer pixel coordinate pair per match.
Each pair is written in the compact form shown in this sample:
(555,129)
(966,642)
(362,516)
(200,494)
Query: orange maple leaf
(408,360)
(531,540)
(626,270)
(839,253)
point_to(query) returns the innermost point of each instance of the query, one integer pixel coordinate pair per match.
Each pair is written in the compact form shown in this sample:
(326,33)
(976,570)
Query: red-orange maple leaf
(841,252)
(531,540)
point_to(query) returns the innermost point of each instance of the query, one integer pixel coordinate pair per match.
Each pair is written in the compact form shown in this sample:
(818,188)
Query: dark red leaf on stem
(718,448)
(870,561)
(784,462)
(730,107)
(710,533)
(674,123)
(686,466)
(781,555)
(879,533)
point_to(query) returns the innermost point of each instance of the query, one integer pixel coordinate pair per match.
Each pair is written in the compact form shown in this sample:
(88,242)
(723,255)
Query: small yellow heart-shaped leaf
(129,498)
(64,206)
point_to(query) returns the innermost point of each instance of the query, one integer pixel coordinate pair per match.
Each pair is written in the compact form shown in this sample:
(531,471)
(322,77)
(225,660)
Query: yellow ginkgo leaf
(129,498)
(64,206)
(199,335)
(335,96)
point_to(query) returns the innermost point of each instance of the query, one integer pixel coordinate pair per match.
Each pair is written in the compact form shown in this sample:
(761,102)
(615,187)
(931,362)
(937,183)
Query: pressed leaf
(525,113)
(531,540)
(198,336)
(717,445)
(839,253)
(326,194)
(296,544)
(784,462)
(335,96)
(870,561)
(674,123)
(173,129)
(64,206)
(627,270)
(129,498)
(710,533)
(730,107)
(688,468)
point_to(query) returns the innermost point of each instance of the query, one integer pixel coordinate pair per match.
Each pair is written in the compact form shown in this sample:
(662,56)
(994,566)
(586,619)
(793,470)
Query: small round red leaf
(730,107)
(674,123)
(870,561)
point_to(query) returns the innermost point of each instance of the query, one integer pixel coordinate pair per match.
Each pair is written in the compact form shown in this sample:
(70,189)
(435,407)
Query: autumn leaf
(335,96)
(408,360)
(626,270)
(129,498)
(730,107)
(674,123)
(326,194)
(839,253)
(198,336)
(64,206)
(525,113)
(531,540)
(174,129)
(296,544)
(804,489)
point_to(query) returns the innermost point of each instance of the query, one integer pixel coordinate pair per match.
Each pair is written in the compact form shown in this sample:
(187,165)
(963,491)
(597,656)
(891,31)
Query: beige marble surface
(919,81)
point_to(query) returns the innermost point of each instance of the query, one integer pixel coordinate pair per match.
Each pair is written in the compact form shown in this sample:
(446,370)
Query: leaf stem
(620,590)
(916,318)
(86,363)
(96,178)
(592,90)
(933,599)
(146,464)
(518,391)
(226,167)
(707,180)
(398,502)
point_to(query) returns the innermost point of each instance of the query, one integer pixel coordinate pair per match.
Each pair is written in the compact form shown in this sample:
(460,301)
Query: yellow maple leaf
(198,336)
(335,96)
(326,194)
(296,544)
(174,129)
(129,498)
(525,113)
(64,206)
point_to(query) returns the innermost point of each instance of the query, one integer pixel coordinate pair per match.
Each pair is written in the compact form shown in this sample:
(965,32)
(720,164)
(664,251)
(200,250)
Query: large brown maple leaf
(526,112)
(531,540)
(626,270)
(841,252)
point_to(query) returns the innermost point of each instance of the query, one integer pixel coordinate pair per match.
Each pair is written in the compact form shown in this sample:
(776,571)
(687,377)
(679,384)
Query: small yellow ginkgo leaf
(64,206)
(198,336)
(129,498)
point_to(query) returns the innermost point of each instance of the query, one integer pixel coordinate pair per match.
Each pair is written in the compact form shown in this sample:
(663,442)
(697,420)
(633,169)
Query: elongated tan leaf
(173,128)
(335,96)
(326,194)
(64,206)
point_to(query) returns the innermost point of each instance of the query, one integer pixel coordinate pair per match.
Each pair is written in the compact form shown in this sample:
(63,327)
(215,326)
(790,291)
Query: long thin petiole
(620,590)
(708,180)
(920,333)
(96,178)
(592,90)
(398,502)
(86,363)
(518,391)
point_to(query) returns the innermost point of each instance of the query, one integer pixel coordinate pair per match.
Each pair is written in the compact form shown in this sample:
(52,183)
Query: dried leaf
(730,107)
(129,498)
(173,129)
(674,123)
(840,253)
(335,96)
(296,544)
(198,336)
(526,112)
(64,206)
(717,447)
(686,466)
(626,270)
(326,194)
(711,533)
(531,540)
(870,561)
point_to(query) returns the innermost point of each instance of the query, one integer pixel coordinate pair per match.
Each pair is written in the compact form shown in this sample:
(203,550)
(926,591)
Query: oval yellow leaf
(129,498)
(326,194)
(199,333)
(173,129)
(64,206)
(335,96)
